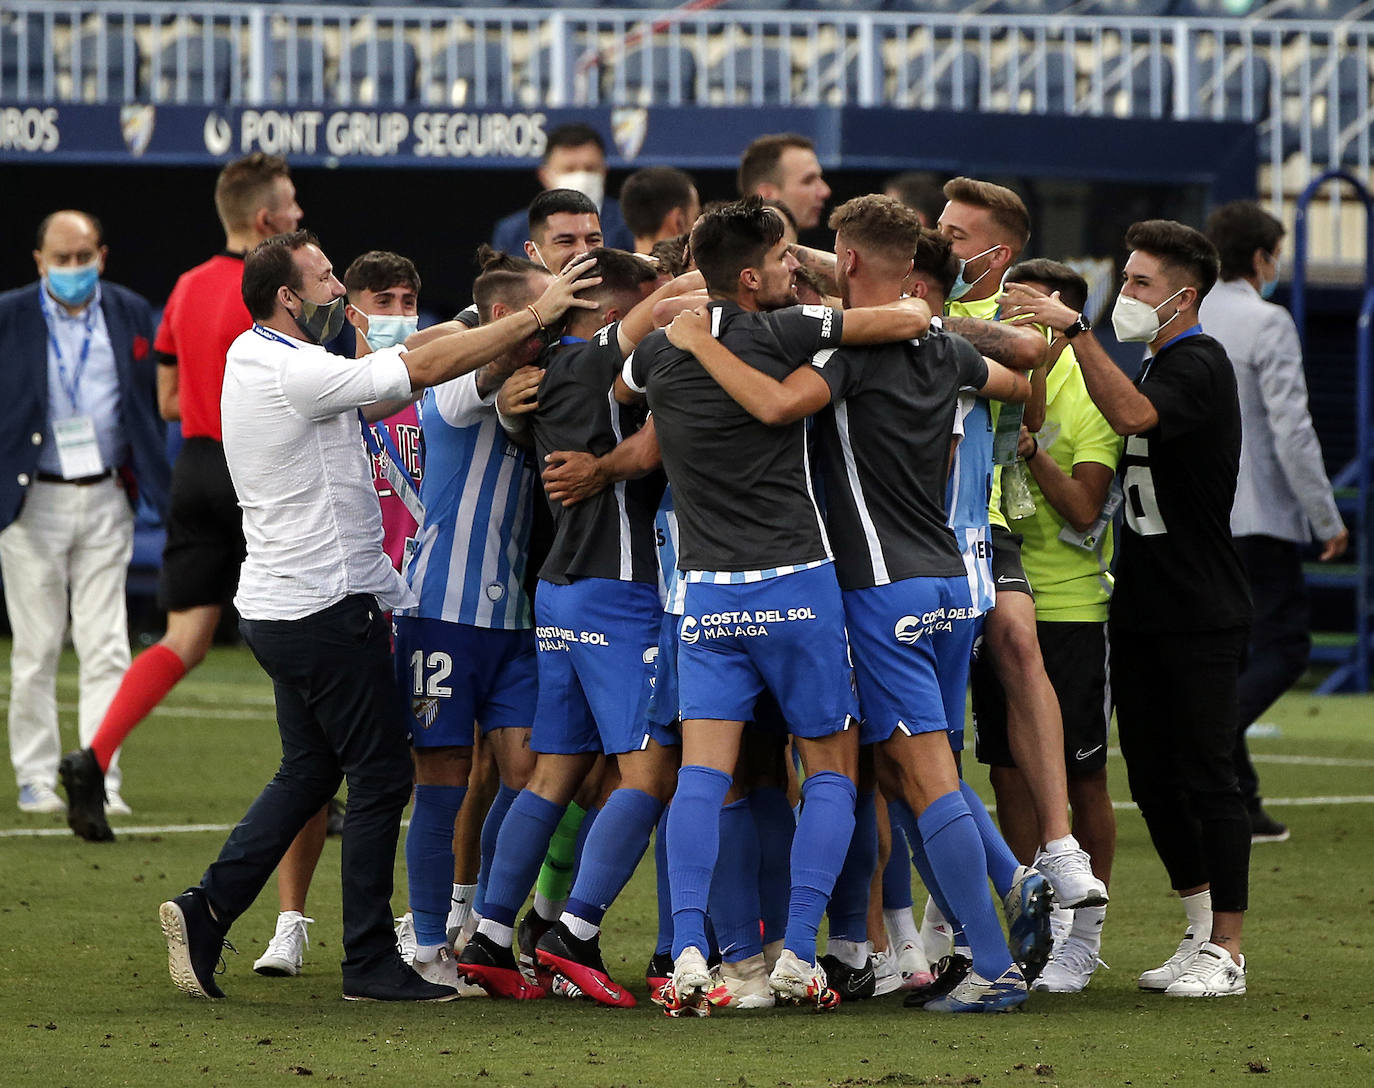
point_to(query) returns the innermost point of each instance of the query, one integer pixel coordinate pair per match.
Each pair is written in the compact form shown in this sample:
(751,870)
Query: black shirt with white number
(610,534)
(742,489)
(1178,569)
(884,456)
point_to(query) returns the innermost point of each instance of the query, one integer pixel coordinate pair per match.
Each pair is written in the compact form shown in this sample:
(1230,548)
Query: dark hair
(245,185)
(1072,288)
(648,196)
(620,273)
(573,134)
(270,265)
(732,238)
(504,279)
(934,259)
(784,211)
(760,159)
(378,270)
(1007,209)
(920,192)
(95,223)
(1237,230)
(1179,247)
(553,201)
(672,255)
(878,224)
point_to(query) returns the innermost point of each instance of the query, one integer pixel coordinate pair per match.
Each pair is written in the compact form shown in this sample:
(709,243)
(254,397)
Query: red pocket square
(140,348)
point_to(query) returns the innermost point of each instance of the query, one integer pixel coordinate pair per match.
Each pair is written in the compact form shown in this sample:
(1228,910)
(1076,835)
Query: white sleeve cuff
(627,374)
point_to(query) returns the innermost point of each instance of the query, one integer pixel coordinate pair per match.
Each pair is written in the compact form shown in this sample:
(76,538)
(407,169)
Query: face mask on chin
(1137,322)
(320,321)
(587,182)
(962,286)
(73,286)
(1268,287)
(388,330)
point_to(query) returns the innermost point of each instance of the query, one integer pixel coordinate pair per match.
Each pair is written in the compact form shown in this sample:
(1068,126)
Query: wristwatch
(1081,325)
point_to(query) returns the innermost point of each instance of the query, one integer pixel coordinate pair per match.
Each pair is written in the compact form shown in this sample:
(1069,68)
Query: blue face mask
(1268,287)
(388,330)
(73,286)
(962,286)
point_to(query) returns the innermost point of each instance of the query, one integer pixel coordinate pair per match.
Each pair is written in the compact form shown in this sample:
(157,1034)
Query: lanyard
(268,334)
(71,386)
(393,469)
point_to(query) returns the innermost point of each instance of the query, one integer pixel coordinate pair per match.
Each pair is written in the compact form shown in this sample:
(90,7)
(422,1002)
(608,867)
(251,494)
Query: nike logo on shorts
(1080,754)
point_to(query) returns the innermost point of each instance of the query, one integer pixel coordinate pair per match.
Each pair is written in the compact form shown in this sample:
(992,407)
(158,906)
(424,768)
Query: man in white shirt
(312,596)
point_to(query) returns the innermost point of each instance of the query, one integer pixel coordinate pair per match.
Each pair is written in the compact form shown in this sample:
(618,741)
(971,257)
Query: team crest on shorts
(424,708)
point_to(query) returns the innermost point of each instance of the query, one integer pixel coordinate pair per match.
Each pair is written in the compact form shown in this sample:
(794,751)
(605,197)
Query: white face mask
(388,330)
(1138,322)
(587,182)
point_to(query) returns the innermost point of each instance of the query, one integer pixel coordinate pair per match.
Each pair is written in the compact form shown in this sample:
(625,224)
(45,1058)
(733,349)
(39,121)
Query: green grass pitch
(85,999)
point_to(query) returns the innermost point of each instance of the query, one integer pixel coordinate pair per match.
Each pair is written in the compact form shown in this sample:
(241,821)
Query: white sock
(1087,925)
(547,909)
(427,953)
(1059,846)
(1199,909)
(901,927)
(850,953)
(460,905)
(495,931)
(580,928)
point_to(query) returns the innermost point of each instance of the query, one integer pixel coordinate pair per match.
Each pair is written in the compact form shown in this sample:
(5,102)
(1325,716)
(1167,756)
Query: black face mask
(320,322)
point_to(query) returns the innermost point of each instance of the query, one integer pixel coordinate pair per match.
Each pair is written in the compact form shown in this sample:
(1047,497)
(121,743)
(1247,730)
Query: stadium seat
(948,80)
(1136,94)
(1029,7)
(182,71)
(1138,9)
(376,75)
(120,67)
(1311,9)
(471,73)
(838,7)
(1231,88)
(660,75)
(745,72)
(1047,84)
(13,66)
(296,69)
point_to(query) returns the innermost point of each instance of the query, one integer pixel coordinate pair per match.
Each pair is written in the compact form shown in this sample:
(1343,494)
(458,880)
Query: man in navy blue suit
(574,158)
(80,440)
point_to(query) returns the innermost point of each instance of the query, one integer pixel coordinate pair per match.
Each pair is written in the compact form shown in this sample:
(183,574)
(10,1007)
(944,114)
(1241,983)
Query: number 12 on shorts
(440,665)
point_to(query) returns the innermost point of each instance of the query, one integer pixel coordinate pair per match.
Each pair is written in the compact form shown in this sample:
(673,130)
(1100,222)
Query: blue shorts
(910,648)
(663,699)
(783,634)
(597,641)
(454,674)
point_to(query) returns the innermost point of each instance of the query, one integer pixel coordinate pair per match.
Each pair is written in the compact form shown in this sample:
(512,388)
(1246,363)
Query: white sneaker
(1070,873)
(744,985)
(688,991)
(41,799)
(115,805)
(1211,973)
(1061,921)
(912,965)
(1070,967)
(886,977)
(1162,977)
(442,970)
(406,944)
(802,983)
(286,950)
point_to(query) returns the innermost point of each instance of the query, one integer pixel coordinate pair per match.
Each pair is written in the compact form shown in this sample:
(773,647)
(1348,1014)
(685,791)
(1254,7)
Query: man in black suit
(81,439)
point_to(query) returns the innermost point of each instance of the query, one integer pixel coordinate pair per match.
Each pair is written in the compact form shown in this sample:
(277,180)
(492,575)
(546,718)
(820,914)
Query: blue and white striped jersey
(672,589)
(469,565)
(970,486)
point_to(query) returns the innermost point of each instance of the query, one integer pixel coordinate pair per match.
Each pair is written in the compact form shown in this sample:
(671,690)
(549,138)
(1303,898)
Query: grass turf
(85,998)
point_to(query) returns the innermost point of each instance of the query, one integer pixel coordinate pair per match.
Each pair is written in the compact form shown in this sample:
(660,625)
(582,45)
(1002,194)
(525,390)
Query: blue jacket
(510,233)
(24,394)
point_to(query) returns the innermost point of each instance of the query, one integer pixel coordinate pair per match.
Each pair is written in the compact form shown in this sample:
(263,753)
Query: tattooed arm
(820,264)
(1018,348)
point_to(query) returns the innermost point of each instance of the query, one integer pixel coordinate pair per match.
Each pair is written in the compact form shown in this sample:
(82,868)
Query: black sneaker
(486,964)
(84,782)
(851,983)
(1263,827)
(949,972)
(528,934)
(194,943)
(395,981)
(657,974)
(578,969)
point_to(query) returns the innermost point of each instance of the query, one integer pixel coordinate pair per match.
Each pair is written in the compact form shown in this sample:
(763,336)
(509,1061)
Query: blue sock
(734,900)
(582,832)
(776,825)
(664,943)
(520,847)
(693,843)
(818,851)
(848,909)
(903,816)
(429,859)
(897,875)
(1002,863)
(612,852)
(491,827)
(956,855)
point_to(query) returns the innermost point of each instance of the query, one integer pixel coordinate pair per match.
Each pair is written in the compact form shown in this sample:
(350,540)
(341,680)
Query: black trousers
(1280,641)
(1177,719)
(339,716)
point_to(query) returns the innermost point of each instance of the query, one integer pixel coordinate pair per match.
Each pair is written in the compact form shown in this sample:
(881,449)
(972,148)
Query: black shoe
(851,983)
(194,943)
(528,934)
(84,782)
(659,971)
(578,969)
(1263,827)
(949,972)
(486,964)
(394,981)
(334,823)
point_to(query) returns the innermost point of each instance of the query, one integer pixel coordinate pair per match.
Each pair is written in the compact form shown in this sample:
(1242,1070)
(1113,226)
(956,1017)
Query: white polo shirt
(294,444)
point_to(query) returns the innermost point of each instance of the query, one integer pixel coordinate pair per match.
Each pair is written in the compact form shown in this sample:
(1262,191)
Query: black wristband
(1030,456)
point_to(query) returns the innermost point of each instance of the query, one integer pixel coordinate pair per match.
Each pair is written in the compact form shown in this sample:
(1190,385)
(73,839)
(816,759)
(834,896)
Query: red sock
(153,674)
